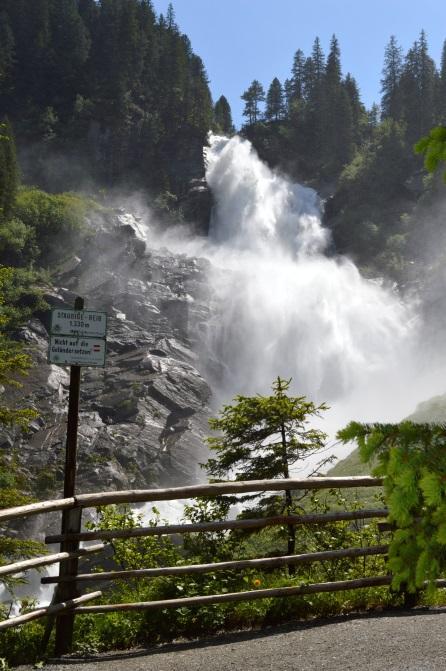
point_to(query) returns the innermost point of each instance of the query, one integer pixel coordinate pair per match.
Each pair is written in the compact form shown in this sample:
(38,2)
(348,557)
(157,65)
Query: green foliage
(214,545)
(21,645)
(391,102)
(253,96)
(103,90)
(17,242)
(134,553)
(364,158)
(14,364)
(56,221)
(8,170)
(433,148)
(223,116)
(20,296)
(263,436)
(365,212)
(275,104)
(411,457)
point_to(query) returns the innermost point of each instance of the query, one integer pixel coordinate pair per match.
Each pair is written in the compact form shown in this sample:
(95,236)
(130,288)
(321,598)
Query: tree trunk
(288,501)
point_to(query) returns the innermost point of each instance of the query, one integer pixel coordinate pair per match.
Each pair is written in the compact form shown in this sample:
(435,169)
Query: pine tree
(318,58)
(223,116)
(308,119)
(333,67)
(309,79)
(70,46)
(253,96)
(170,18)
(297,75)
(8,170)
(410,89)
(418,84)
(391,102)
(263,437)
(88,11)
(275,106)
(357,108)
(7,57)
(336,121)
(198,103)
(373,115)
(288,92)
(441,90)
(427,85)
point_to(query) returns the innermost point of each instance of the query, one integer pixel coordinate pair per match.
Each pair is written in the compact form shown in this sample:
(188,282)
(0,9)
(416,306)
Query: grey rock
(144,417)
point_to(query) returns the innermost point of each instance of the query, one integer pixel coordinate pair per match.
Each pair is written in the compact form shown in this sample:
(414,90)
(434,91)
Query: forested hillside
(315,127)
(106,96)
(102,92)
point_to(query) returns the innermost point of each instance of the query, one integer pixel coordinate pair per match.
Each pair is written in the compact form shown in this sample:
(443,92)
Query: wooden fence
(69,602)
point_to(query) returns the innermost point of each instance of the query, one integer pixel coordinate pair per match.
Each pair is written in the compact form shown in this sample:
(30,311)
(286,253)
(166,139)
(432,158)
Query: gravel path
(395,641)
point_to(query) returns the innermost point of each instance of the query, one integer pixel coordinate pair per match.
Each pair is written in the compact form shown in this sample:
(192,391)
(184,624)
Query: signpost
(78,322)
(77,338)
(75,351)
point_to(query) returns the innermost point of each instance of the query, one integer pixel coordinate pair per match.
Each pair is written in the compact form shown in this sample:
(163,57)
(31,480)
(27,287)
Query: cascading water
(286,308)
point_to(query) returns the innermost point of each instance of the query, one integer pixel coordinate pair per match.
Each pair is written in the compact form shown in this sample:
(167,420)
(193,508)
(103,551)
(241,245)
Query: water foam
(284,306)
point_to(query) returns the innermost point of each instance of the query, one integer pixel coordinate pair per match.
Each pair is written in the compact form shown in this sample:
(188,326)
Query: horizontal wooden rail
(257,523)
(46,561)
(173,493)
(220,488)
(260,564)
(48,610)
(240,596)
(36,508)
(339,586)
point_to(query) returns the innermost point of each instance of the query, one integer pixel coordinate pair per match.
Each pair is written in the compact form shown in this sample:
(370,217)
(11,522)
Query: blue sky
(242,40)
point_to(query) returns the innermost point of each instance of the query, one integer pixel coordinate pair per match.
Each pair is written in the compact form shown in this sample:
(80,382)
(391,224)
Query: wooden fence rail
(183,602)
(260,564)
(48,610)
(315,588)
(36,509)
(38,562)
(192,491)
(257,523)
(68,559)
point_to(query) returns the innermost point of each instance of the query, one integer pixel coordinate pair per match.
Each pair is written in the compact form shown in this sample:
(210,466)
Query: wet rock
(36,425)
(144,417)
(71,267)
(197,205)
(6,441)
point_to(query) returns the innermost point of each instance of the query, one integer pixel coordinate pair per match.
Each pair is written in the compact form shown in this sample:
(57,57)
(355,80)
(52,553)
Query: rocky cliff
(144,416)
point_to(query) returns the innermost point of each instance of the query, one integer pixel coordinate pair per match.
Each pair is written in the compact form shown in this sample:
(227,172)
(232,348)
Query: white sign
(76,351)
(66,321)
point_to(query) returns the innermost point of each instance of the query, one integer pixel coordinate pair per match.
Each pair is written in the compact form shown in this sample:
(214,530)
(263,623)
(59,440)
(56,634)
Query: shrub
(58,221)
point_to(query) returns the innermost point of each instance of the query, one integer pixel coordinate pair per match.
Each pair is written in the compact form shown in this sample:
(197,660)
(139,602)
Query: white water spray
(286,308)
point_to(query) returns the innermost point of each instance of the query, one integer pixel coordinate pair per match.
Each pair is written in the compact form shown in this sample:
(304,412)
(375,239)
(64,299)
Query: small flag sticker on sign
(96,348)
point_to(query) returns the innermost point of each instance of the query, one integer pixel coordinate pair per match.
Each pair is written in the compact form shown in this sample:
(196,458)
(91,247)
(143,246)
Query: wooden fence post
(71,518)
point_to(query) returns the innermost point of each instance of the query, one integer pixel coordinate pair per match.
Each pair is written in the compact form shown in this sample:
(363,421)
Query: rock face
(197,205)
(144,416)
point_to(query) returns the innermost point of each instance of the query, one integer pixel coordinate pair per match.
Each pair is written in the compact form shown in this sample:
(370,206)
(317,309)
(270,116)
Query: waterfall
(286,307)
